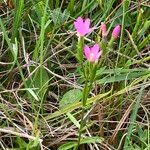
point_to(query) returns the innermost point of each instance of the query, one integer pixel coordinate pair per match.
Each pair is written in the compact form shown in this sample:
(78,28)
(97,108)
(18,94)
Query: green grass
(38,66)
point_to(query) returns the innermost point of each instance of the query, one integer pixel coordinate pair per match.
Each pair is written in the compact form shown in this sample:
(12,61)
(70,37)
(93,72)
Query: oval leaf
(70,97)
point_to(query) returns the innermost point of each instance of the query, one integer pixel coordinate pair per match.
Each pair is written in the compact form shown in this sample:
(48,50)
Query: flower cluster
(82,27)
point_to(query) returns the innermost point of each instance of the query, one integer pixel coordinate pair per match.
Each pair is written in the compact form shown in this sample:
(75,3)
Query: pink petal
(78,23)
(95,49)
(99,54)
(82,31)
(87,51)
(87,23)
(96,57)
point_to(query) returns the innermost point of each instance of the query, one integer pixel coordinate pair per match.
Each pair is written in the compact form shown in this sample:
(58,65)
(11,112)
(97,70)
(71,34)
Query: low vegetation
(74,75)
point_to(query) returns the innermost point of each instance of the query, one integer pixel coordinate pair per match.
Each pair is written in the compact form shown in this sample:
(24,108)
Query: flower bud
(116,31)
(103,29)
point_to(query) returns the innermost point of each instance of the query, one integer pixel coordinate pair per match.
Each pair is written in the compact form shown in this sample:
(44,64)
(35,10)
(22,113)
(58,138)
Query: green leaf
(70,97)
(22,144)
(39,80)
(73,120)
(122,77)
(67,146)
(59,17)
(34,144)
(37,11)
(88,140)
(76,105)
(144,29)
(32,93)
(17,19)
(145,135)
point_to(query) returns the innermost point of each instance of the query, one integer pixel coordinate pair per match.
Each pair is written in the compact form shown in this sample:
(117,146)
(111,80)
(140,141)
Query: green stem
(81,128)
(80,49)
(110,44)
(86,92)
(82,122)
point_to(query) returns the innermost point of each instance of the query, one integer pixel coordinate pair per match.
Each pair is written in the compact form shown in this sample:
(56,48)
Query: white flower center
(91,58)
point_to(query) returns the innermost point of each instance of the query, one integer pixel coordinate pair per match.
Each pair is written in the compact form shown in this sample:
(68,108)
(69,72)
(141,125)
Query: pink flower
(92,54)
(82,26)
(116,31)
(103,29)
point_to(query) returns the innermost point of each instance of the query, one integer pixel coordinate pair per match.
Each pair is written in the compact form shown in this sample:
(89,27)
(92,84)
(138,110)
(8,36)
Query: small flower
(116,31)
(92,54)
(103,29)
(82,26)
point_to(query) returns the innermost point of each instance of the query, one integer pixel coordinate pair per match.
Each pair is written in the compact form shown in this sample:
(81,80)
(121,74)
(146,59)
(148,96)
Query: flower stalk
(80,49)
(87,87)
(92,55)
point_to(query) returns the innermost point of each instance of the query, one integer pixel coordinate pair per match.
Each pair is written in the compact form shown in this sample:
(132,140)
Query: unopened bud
(116,31)
(103,29)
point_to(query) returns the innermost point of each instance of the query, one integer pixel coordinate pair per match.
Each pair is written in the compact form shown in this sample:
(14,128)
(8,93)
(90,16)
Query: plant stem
(84,100)
(81,128)
(82,122)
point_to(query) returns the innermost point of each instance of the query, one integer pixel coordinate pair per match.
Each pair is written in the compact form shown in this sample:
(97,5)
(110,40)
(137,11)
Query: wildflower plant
(92,55)
(42,84)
